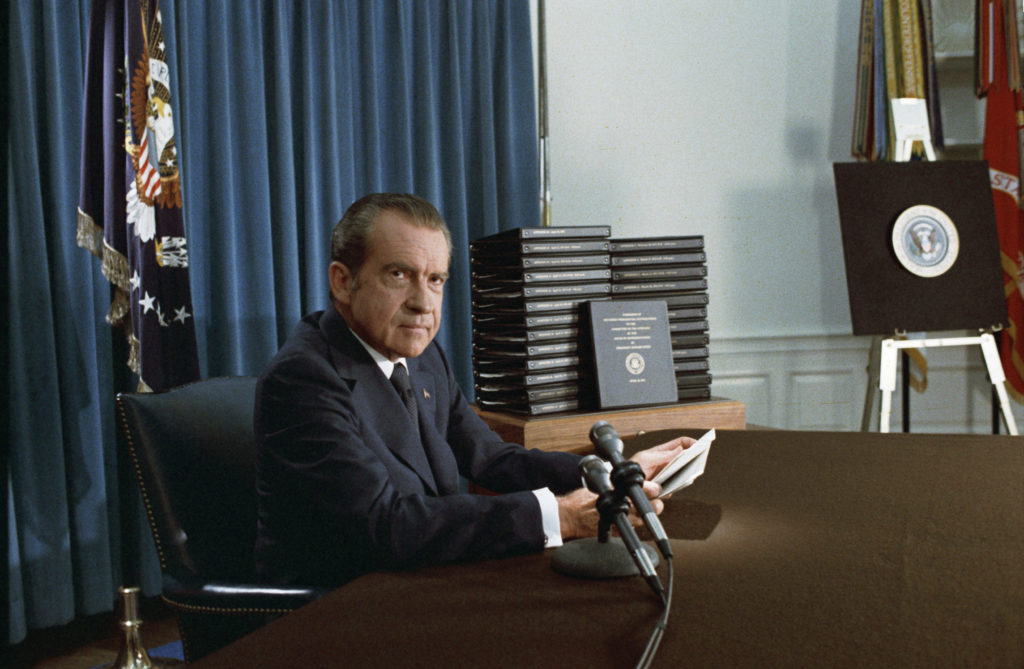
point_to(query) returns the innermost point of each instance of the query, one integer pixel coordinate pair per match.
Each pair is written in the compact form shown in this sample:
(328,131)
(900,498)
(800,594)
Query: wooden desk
(794,549)
(570,432)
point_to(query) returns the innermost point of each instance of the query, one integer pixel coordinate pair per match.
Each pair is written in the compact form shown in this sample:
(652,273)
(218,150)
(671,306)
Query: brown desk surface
(825,549)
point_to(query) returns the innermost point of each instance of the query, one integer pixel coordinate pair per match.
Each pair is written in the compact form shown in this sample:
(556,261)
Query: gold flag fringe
(113,264)
(115,268)
(90,235)
(1018,364)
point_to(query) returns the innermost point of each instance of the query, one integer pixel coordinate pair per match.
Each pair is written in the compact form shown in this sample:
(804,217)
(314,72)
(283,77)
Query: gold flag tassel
(917,370)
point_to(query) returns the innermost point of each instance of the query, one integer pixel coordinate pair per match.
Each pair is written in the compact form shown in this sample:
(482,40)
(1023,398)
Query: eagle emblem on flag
(141,241)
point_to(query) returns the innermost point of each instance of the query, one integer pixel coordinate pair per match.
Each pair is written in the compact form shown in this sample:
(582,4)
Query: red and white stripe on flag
(999,82)
(148,177)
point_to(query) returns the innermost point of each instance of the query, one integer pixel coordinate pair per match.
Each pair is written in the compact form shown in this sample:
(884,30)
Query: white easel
(910,121)
(887,371)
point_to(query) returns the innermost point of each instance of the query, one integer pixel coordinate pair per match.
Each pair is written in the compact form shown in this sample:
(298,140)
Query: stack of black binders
(527,286)
(673,269)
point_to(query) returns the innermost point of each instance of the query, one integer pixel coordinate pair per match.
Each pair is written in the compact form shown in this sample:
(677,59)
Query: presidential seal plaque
(632,353)
(925,240)
(920,246)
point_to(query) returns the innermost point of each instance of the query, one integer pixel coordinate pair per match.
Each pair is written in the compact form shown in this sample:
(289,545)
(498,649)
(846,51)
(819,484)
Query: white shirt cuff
(549,517)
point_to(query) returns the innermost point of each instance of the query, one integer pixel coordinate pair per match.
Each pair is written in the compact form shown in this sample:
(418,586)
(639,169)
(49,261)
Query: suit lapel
(435,444)
(378,401)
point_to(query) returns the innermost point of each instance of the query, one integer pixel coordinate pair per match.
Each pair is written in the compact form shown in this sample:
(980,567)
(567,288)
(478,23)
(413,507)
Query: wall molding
(820,383)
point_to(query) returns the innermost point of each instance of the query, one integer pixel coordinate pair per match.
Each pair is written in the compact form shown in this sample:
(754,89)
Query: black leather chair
(194,455)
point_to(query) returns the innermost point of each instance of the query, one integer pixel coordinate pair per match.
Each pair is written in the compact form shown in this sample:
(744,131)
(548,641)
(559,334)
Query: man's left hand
(653,459)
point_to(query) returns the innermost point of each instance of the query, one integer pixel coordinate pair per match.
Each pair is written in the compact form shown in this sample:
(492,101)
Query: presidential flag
(999,82)
(130,206)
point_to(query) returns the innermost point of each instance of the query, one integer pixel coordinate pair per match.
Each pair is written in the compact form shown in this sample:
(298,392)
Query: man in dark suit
(351,478)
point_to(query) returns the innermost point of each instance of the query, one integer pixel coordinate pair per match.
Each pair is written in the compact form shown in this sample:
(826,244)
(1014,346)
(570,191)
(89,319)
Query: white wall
(723,119)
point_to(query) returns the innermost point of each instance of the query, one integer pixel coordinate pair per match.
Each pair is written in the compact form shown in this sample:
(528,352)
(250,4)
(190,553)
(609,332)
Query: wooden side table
(571,432)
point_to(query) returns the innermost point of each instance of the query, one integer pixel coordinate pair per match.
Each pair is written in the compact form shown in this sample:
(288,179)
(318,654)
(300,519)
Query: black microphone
(629,476)
(596,477)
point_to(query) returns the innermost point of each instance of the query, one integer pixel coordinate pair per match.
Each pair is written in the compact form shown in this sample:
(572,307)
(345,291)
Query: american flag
(999,82)
(130,206)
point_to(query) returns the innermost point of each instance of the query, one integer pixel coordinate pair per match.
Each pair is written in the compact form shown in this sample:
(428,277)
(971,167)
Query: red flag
(130,208)
(999,82)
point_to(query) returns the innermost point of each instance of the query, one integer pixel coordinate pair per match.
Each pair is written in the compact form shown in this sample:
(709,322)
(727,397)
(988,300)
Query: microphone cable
(659,628)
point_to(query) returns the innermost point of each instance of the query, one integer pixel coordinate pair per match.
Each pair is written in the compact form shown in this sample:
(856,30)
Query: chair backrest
(194,454)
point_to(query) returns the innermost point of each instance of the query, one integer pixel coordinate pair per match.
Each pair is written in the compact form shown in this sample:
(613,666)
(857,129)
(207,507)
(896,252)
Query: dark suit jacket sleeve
(486,459)
(336,502)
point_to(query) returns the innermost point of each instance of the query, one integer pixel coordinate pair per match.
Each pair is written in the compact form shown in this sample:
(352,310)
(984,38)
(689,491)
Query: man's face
(394,304)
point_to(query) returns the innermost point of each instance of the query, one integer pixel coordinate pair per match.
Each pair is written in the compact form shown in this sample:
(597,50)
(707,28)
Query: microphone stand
(610,504)
(606,556)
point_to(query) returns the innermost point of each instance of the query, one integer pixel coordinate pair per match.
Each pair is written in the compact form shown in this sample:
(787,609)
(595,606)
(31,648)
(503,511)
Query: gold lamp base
(132,654)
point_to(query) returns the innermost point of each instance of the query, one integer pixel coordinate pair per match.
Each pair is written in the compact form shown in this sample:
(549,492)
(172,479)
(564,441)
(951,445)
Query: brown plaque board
(885,296)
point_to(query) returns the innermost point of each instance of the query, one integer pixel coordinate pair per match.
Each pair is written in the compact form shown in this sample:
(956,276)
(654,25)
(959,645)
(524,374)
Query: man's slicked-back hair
(350,239)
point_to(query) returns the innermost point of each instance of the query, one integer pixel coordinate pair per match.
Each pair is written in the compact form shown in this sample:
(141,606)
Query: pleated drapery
(286,112)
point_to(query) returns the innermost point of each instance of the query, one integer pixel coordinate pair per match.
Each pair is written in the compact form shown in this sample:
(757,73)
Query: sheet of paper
(687,466)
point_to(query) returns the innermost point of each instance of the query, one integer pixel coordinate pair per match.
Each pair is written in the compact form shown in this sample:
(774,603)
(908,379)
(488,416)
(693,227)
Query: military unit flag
(896,59)
(130,204)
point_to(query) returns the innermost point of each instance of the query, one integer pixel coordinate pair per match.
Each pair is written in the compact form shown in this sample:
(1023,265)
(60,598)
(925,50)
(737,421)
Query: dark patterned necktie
(400,380)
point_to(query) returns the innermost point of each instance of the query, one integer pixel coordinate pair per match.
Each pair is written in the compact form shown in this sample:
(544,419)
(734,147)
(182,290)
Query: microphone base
(590,558)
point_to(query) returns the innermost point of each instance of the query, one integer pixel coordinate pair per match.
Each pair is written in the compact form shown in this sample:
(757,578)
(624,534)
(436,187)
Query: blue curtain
(286,112)
(295,109)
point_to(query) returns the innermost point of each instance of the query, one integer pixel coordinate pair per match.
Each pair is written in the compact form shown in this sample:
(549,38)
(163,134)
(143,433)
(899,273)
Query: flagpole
(130,215)
(542,116)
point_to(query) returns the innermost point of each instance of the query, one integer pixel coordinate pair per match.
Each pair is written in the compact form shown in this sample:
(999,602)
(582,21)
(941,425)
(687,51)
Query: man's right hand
(578,514)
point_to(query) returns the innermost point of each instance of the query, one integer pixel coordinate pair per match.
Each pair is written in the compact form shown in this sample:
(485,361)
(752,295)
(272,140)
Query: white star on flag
(147,303)
(181,313)
(135,281)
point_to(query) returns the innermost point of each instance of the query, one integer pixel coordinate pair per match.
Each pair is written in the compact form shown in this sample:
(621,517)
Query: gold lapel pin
(426,395)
